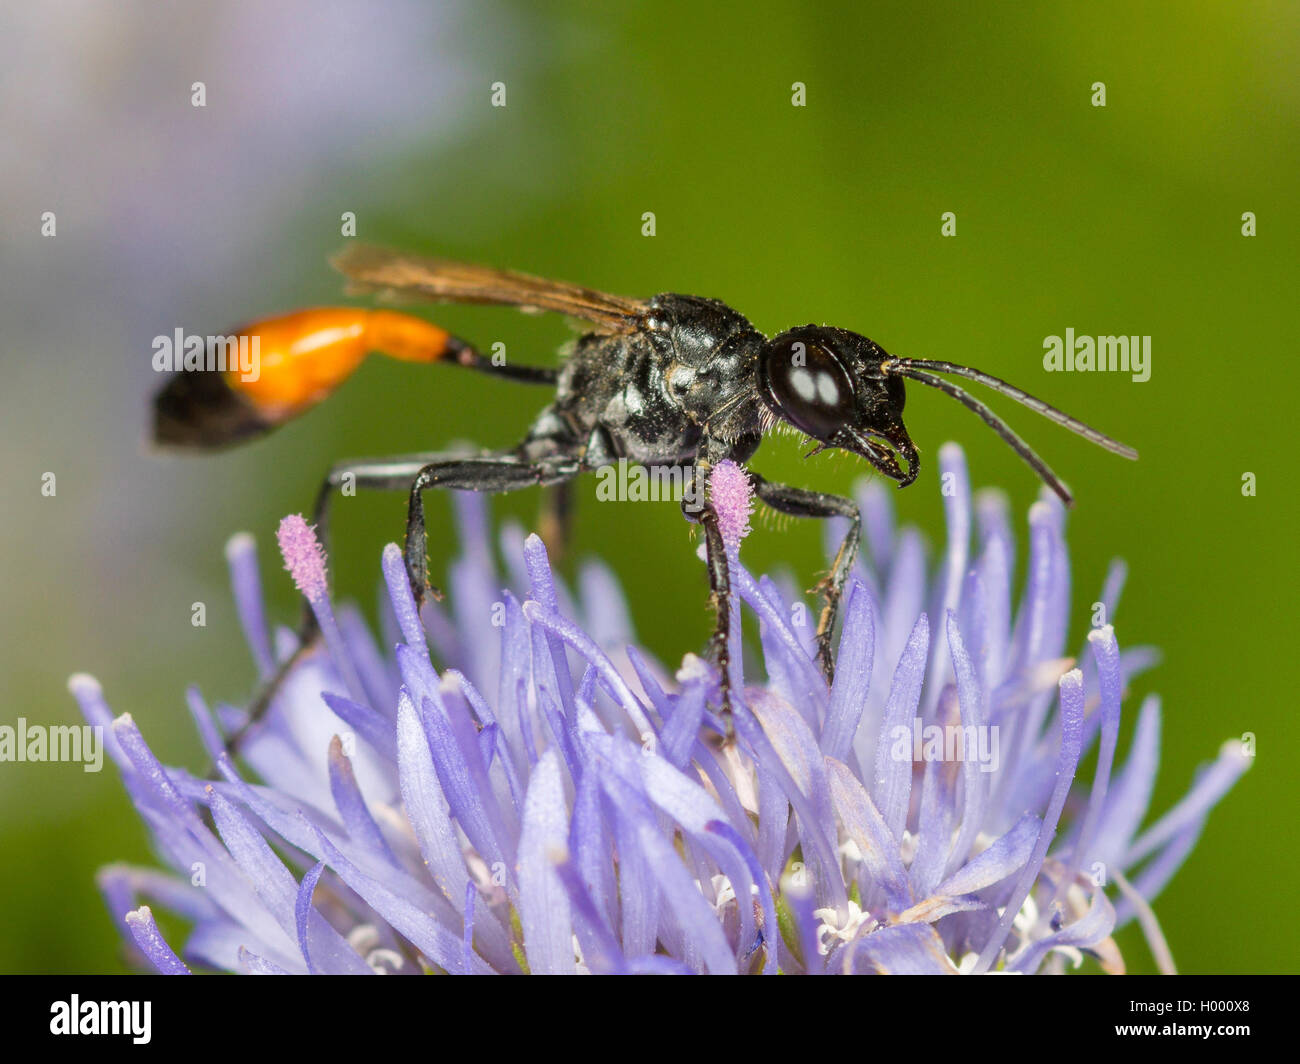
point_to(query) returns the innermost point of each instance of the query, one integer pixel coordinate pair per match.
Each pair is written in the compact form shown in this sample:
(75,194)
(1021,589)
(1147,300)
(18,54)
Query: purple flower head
(516,787)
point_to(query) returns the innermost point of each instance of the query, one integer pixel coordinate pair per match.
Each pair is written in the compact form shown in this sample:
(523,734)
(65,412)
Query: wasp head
(828,384)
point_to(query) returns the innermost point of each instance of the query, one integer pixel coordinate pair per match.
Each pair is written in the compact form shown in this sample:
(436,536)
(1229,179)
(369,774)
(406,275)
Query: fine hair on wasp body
(672,381)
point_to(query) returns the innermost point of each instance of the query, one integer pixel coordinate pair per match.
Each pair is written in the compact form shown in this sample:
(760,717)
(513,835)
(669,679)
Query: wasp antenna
(994,422)
(903,365)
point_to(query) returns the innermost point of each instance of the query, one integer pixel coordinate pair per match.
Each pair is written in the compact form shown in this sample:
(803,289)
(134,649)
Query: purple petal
(600,949)
(1002,858)
(1071,738)
(378,679)
(425,805)
(681,728)
(303,910)
(543,902)
(1106,651)
(893,780)
(604,609)
(436,942)
(936,817)
(375,730)
(877,506)
(1031,618)
(639,891)
(399,595)
(568,632)
(90,700)
(852,673)
(188,840)
(974,721)
(948,584)
(1214,782)
(903,601)
(811,682)
(908,949)
(1130,797)
(253,964)
(590,845)
(542,589)
(213,744)
(770,932)
(152,944)
(1160,869)
(464,783)
(512,707)
(1116,577)
(351,806)
(801,905)
(868,830)
(278,892)
(122,884)
(1095,925)
(246,584)
(788,750)
(467,936)
(994,569)
(314,933)
(221,944)
(700,929)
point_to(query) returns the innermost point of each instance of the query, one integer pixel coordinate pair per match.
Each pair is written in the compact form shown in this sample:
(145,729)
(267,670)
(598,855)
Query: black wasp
(673,381)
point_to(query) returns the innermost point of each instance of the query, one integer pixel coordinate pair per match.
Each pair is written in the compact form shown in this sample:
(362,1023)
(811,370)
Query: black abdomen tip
(200,409)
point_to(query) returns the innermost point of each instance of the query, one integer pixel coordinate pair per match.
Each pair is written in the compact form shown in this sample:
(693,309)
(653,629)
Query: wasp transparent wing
(397,274)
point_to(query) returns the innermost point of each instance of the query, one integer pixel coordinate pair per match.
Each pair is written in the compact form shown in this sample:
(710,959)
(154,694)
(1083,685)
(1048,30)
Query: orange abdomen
(295,361)
(302,357)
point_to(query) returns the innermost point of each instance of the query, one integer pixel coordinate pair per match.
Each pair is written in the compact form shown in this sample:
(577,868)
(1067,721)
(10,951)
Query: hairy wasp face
(827,383)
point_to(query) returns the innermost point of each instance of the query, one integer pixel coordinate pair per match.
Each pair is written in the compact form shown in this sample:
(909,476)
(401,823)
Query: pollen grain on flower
(519,787)
(732,497)
(304,557)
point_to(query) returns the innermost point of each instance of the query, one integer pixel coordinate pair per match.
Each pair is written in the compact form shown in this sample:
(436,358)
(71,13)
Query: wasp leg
(495,473)
(393,474)
(555,523)
(720,595)
(471,358)
(715,554)
(802,503)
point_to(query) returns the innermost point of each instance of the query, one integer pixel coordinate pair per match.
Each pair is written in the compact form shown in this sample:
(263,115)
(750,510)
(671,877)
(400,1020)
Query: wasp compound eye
(805,382)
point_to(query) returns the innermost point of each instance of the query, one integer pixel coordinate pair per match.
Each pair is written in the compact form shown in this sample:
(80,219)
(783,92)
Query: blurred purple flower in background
(553,801)
(170,215)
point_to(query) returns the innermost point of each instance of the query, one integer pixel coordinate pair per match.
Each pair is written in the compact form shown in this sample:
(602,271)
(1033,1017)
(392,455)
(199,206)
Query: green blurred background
(1123,219)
